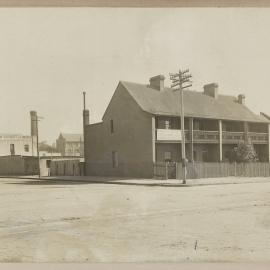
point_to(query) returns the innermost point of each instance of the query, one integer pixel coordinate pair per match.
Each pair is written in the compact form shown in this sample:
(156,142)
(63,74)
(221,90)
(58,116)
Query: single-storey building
(141,126)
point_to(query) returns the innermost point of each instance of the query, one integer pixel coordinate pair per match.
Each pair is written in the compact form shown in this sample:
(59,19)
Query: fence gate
(165,170)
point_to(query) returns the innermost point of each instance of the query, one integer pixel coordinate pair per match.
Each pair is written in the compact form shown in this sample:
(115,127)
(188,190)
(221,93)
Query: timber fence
(196,170)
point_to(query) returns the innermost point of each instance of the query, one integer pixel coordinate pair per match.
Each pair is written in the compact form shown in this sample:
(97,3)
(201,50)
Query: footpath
(145,182)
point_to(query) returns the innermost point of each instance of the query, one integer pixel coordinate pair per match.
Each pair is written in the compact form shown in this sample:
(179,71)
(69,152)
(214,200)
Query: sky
(49,56)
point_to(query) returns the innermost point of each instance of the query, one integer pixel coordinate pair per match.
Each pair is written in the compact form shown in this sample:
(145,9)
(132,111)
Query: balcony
(203,136)
(232,137)
(258,138)
(170,135)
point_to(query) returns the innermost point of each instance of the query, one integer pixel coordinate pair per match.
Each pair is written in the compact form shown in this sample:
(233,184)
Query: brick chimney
(157,82)
(211,90)
(85,117)
(241,99)
(34,123)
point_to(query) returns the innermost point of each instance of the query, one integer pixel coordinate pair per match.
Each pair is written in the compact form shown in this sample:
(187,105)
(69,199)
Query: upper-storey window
(167,124)
(112,126)
(26,147)
(12,149)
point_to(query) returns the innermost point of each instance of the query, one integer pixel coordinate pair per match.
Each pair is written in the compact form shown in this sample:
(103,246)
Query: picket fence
(211,170)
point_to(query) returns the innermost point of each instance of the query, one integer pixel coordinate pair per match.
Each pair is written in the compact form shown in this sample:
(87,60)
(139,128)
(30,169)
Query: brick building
(18,144)
(141,125)
(69,144)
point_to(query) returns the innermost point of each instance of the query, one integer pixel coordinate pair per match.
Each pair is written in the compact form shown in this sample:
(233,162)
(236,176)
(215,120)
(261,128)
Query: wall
(65,167)
(205,152)
(11,165)
(174,148)
(31,165)
(262,152)
(73,149)
(132,139)
(67,148)
(19,142)
(205,124)
(60,145)
(18,165)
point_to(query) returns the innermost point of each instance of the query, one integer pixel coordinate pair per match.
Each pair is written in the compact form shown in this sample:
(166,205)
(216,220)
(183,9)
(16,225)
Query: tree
(244,152)
(44,146)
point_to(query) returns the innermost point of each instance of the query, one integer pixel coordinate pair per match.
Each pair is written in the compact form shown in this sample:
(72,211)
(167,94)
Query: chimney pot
(157,82)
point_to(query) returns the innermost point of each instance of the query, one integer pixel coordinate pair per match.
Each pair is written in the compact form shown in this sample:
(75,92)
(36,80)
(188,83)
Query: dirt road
(50,221)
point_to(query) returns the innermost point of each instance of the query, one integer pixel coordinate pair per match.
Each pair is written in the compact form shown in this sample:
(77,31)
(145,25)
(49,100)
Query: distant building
(17,144)
(70,144)
(49,154)
(141,126)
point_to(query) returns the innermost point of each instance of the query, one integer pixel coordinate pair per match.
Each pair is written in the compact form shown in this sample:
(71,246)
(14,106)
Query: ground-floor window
(114,159)
(205,155)
(168,156)
(48,163)
(195,155)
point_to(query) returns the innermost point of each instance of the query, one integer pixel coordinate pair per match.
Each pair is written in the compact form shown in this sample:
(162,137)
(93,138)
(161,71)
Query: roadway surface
(65,221)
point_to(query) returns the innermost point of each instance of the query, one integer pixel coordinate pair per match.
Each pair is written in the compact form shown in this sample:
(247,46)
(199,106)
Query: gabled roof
(197,104)
(71,137)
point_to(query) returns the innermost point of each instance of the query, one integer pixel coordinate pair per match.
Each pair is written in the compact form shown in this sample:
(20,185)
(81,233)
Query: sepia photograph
(134,135)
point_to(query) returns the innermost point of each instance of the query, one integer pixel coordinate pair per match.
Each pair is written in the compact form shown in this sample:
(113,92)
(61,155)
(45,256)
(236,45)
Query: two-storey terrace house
(141,125)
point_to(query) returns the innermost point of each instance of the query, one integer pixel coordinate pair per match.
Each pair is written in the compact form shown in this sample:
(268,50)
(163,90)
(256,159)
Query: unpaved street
(46,221)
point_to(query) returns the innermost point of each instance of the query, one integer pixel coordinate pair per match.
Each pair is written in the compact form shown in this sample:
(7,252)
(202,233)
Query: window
(73,169)
(12,149)
(114,159)
(194,156)
(48,163)
(112,127)
(201,125)
(26,147)
(168,156)
(167,124)
(205,156)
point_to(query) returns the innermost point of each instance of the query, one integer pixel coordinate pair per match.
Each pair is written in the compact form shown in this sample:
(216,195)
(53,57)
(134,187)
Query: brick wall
(131,139)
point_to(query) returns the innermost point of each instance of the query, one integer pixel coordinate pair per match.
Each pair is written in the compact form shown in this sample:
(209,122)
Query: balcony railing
(232,137)
(203,136)
(258,137)
(173,135)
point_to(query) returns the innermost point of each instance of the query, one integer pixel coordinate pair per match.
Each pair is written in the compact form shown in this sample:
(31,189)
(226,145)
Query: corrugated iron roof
(197,104)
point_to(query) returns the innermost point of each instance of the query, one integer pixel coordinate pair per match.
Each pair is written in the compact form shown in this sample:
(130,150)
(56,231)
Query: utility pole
(179,82)
(85,123)
(39,174)
(84,93)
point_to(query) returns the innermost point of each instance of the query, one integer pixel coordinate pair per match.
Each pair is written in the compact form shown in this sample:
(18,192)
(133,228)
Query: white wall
(19,142)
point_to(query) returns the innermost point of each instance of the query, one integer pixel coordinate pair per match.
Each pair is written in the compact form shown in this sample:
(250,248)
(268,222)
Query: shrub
(244,152)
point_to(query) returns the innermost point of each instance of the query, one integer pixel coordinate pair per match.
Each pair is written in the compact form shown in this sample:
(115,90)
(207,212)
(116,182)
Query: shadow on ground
(111,182)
